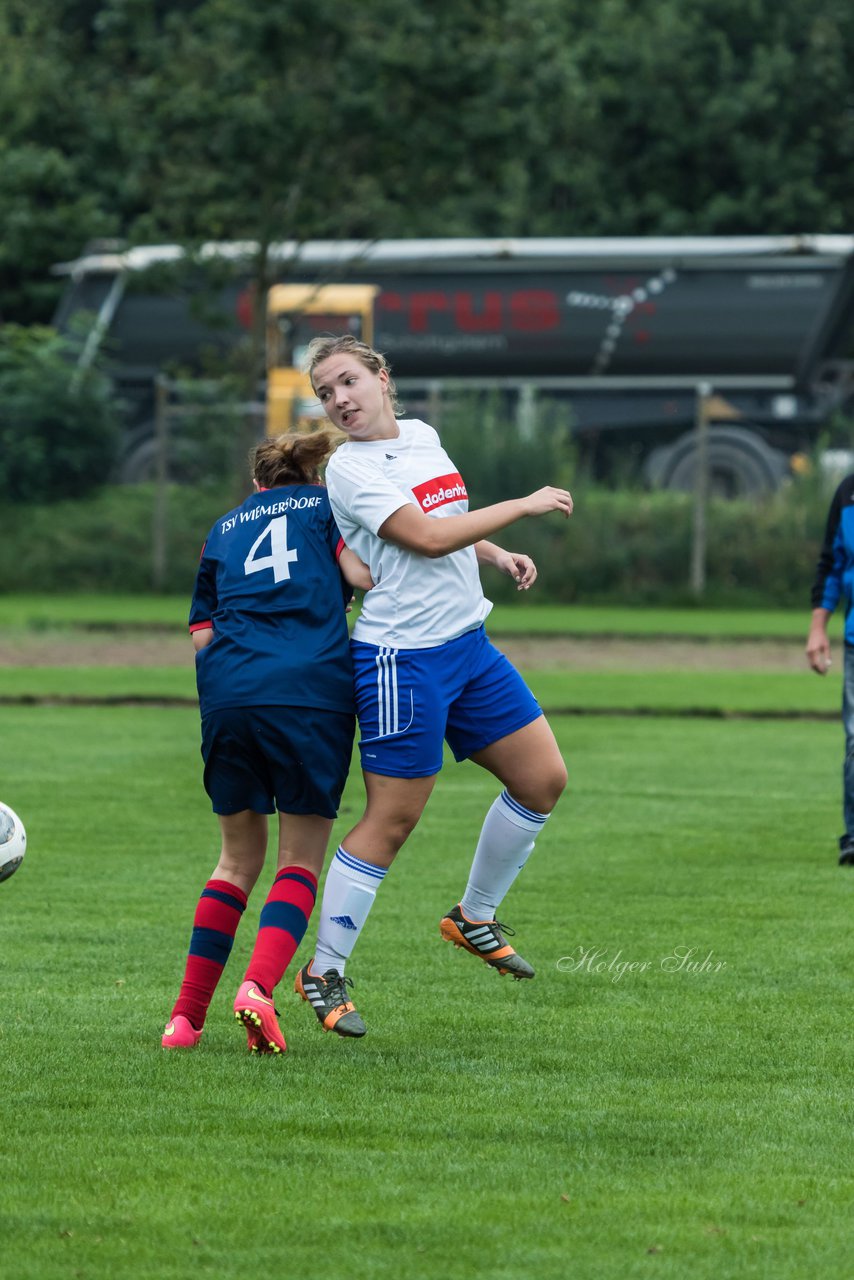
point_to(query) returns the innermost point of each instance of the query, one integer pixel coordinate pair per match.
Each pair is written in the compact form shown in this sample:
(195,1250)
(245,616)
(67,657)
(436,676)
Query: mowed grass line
(99,683)
(664,691)
(596,1122)
(525,616)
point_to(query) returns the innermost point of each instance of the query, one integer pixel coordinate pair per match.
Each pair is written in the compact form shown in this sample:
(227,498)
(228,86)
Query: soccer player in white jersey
(424,670)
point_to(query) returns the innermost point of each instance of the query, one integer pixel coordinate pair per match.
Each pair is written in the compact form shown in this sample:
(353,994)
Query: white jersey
(417,602)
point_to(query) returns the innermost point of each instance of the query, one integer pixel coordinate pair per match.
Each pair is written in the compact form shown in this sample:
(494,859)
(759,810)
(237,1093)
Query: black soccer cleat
(484,938)
(328,997)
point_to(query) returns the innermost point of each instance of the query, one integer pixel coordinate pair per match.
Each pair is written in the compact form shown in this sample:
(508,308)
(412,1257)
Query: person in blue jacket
(275,683)
(834,581)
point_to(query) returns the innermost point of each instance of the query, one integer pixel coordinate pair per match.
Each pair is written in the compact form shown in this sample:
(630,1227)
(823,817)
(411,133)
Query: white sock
(348,895)
(506,841)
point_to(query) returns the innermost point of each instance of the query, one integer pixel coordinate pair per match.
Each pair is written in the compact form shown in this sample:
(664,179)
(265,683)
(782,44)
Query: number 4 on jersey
(281,556)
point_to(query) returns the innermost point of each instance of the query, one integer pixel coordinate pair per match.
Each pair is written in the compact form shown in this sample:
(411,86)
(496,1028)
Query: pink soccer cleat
(180,1034)
(258,1015)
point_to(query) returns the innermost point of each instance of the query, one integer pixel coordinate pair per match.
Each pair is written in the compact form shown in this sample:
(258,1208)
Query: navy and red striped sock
(284,920)
(214,926)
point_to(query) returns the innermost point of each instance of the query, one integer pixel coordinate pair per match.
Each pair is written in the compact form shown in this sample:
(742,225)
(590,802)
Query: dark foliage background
(187,121)
(59,424)
(214,119)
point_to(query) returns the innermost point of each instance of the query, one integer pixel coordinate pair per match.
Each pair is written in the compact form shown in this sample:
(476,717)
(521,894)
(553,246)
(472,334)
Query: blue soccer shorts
(408,700)
(294,759)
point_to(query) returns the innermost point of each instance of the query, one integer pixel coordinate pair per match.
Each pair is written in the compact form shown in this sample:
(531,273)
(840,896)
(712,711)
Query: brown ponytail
(293,458)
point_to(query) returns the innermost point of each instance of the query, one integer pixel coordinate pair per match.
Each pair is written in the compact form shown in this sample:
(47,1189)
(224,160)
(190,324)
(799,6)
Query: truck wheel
(139,464)
(741,464)
(186,464)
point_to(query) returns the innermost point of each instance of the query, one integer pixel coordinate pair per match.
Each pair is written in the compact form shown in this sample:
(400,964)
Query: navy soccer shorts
(294,759)
(408,700)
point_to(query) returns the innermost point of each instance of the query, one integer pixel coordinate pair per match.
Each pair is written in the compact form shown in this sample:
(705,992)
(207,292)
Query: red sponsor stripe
(441,490)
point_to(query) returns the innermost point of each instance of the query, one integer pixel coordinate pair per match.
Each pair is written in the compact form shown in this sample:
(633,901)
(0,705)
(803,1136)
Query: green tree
(58,429)
(48,205)
(720,116)
(213,119)
(243,123)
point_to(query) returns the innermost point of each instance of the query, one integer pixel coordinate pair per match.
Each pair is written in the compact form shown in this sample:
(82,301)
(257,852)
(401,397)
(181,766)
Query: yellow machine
(296,313)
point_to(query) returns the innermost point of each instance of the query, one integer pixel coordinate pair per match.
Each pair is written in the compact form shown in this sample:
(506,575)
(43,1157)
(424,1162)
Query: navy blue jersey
(269,585)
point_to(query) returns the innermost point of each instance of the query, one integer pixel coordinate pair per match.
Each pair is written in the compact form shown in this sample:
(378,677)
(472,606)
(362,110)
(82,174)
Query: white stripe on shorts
(387,709)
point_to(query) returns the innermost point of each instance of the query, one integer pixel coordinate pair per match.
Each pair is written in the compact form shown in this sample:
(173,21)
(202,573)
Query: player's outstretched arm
(515,564)
(410,528)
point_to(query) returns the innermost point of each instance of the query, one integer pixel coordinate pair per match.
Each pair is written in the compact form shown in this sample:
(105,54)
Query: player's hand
(548,499)
(520,568)
(818,651)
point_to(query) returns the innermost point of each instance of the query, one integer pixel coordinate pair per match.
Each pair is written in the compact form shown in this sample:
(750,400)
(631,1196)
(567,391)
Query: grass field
(669,1098)
(525,615)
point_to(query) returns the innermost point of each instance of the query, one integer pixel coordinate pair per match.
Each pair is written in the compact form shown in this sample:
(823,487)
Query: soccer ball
(13,841)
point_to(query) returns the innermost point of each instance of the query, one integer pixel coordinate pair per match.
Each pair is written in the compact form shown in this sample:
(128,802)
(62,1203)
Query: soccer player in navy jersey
(275,683)
(424,670)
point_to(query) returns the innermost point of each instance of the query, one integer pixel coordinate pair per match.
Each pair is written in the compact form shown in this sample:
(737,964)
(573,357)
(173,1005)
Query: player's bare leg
(244,848)
(529,764)
(303,841)
(392,810)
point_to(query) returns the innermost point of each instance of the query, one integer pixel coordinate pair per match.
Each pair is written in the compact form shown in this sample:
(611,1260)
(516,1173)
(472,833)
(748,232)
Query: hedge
(618,548)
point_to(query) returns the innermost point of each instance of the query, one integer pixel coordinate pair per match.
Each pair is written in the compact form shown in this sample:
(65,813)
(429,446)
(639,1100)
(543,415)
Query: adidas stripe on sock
(348,895)
(505,844)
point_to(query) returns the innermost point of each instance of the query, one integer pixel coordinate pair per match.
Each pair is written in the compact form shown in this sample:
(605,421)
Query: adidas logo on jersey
(391,456)
(345,921)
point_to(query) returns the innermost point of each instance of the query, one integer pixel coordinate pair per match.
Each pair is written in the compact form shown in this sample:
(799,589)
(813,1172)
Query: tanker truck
(625,333)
